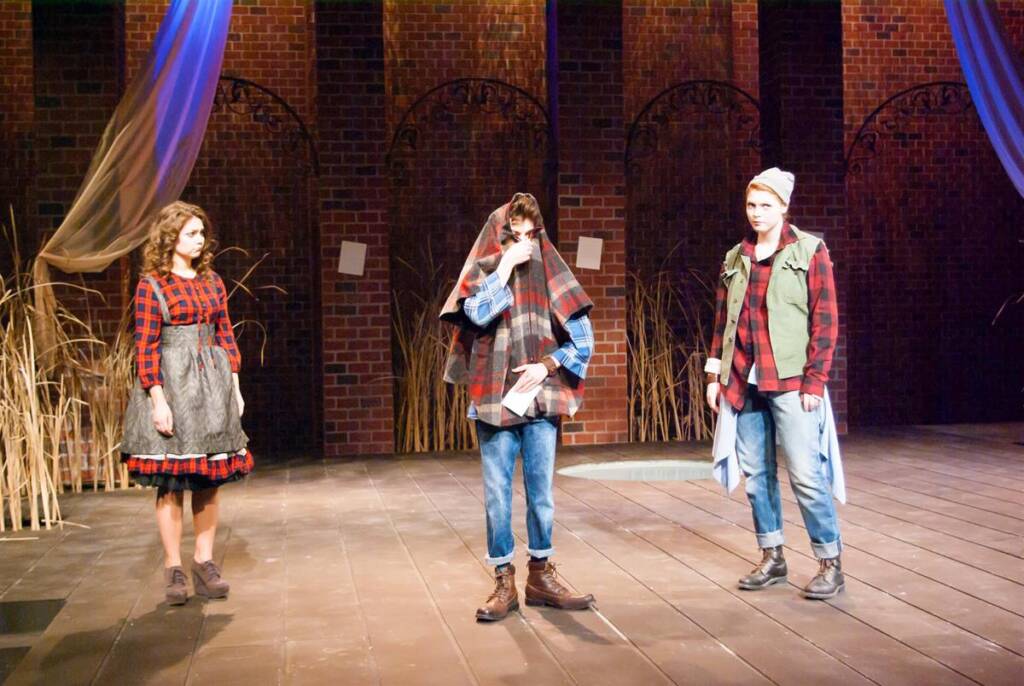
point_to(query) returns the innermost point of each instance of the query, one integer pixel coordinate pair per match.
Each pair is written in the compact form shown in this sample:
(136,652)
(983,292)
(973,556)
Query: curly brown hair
(163,236)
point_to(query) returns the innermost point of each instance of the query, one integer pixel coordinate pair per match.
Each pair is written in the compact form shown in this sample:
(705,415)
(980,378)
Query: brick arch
(255,177)
(460,150)
(241,96)
(929,262)
(689,154)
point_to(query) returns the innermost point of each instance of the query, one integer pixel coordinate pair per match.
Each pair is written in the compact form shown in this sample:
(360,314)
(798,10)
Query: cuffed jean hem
(547,552)
(826,551)
(772,539)
(498,561)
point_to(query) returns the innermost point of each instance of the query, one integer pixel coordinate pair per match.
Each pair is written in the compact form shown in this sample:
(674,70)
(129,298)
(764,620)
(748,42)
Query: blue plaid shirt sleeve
(575,353)
(488,302)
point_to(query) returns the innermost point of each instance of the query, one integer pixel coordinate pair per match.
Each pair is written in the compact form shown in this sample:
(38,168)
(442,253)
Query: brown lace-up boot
(175,591)
(207,581)
(543,588)
(829,581)
(770,570)
(504,598)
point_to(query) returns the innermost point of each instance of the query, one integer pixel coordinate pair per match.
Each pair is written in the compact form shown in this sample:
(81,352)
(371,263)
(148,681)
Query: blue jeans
(499,447)
(764,414)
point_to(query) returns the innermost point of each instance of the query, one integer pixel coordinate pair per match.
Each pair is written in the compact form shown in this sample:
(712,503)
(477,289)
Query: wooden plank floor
(367,571)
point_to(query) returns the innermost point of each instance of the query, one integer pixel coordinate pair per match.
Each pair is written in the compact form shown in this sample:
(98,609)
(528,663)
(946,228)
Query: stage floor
(369,571)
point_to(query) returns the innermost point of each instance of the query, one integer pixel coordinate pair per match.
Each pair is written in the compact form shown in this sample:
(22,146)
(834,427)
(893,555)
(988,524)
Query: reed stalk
(430,414)
(667,325)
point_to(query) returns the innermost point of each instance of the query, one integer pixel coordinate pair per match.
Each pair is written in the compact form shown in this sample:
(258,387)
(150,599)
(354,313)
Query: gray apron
(199,389)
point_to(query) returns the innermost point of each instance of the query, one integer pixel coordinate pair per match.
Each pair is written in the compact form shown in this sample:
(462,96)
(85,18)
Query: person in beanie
(775,332)
(182,426)
(522,343)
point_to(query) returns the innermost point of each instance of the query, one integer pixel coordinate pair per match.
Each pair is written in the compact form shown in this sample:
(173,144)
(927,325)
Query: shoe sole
(824,596)
(771,582)
(176,601)
(203,592)
(487,618)
(540,602)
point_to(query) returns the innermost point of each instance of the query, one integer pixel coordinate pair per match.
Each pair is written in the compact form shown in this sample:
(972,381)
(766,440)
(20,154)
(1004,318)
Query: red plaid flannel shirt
(190,301)
(752,341)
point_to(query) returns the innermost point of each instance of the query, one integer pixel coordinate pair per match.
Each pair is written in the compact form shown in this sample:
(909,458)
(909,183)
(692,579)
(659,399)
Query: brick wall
(933,228)
(937,179)
(77,83)
(357,388)
(802,116)
(592,200)
(667,41)
(688,164)
(456,152)
(429,43)
(256,188)
(690,148)
(17,107)
(470,153)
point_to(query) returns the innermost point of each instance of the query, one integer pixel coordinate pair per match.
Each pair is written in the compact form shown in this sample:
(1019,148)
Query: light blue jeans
(499,447)
(764,415)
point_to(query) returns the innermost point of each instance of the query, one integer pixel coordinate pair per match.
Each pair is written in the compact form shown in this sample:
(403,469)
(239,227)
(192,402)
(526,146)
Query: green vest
(788,314)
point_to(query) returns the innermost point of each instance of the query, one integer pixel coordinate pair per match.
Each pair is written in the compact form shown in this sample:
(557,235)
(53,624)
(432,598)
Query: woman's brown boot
(207,581)
(175,590)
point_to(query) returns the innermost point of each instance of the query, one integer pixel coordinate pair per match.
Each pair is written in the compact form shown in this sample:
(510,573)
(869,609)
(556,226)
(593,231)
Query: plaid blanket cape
(546,295)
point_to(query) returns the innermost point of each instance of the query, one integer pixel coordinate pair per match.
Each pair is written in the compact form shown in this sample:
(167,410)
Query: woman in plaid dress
(182,426)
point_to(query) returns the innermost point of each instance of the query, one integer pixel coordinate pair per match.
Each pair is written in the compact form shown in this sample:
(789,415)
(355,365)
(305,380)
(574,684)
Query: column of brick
(591,200)
(16,118)
(801,65)
(356,320)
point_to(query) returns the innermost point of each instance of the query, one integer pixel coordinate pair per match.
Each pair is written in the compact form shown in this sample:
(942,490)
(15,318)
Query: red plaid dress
(198,300)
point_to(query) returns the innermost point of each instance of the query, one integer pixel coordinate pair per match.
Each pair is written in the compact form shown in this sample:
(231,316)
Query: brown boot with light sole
(504,598)
(543,588)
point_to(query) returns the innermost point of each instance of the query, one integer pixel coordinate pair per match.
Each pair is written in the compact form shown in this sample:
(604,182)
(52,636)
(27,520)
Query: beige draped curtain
(147,151)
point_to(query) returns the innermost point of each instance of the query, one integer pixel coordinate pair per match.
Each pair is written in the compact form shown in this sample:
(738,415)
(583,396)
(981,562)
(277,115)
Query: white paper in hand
(518,402)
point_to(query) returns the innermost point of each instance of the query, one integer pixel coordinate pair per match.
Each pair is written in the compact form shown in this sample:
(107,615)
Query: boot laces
(766,561)
(502,587)
(551,571)
(177,577)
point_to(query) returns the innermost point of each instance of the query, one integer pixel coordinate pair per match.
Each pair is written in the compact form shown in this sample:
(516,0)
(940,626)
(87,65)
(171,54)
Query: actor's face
(764,210)
(191,239)
(522,227)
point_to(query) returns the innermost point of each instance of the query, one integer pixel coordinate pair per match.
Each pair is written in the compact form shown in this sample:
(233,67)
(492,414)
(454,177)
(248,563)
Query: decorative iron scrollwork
(443,106)
(247,98)
(679,103)
(938,98)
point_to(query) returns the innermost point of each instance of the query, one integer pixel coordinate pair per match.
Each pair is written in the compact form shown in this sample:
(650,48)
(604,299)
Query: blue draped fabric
(150,145)
(995,77)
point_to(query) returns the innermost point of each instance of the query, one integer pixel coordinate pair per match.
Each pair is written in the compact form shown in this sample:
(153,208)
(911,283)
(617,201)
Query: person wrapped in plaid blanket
(522,331)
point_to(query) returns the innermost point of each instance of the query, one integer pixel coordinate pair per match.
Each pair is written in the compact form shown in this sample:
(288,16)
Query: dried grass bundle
(667,344)
(430,414)
(37,399)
